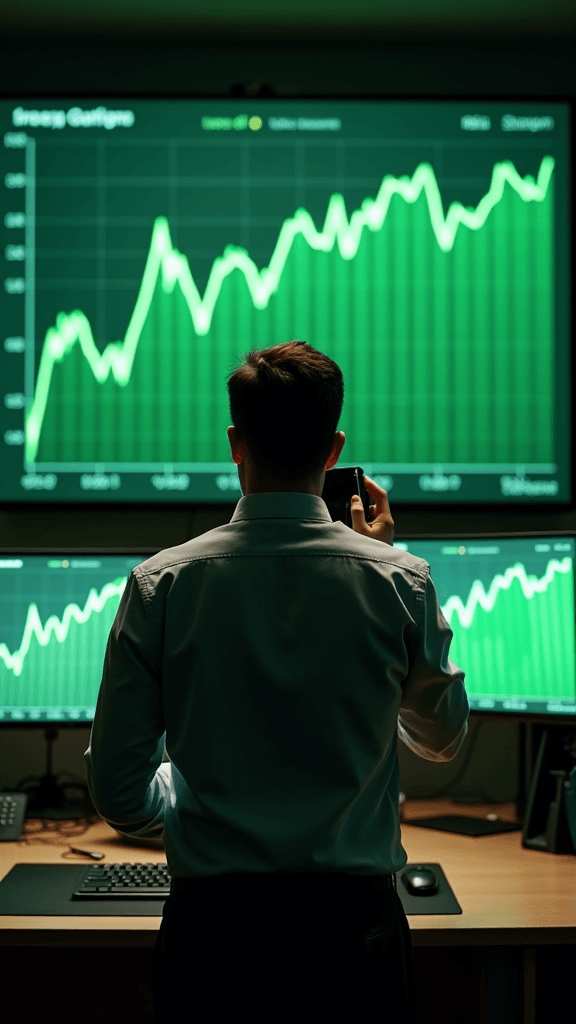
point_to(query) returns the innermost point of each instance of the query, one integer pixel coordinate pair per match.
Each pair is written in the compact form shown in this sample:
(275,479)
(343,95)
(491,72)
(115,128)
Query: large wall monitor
(147,244)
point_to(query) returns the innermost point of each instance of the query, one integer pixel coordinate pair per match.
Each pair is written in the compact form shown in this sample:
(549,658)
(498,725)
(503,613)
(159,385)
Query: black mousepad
(443,901)
(46,890)
(466,826)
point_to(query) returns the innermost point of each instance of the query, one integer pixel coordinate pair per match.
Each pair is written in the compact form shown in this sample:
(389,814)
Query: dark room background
(298,48)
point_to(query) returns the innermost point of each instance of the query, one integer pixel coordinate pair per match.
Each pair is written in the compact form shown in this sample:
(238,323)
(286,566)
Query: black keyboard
(124,881)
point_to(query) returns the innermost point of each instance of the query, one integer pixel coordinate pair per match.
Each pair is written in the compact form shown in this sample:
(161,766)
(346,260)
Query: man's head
(285,404)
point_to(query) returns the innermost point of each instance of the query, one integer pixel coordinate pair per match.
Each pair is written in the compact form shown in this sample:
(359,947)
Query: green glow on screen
(511,608)
(422,246)
(170,307)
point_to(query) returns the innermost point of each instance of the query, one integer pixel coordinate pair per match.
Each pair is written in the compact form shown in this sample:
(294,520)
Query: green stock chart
(509,601)
(56,616)
(422,254)
(511,606)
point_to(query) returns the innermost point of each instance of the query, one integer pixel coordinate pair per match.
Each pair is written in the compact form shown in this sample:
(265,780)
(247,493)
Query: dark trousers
(277,947)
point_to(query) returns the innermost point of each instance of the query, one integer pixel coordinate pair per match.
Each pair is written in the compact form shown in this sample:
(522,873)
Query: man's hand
(382,526)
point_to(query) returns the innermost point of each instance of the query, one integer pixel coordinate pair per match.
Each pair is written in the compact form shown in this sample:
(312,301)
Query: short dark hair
(287,388)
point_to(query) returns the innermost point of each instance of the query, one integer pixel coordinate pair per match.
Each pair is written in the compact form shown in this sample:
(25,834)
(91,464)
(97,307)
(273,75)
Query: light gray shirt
(277,658)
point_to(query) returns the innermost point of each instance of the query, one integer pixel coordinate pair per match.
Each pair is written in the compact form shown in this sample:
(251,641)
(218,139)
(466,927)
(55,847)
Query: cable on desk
(54,832)
(481,797)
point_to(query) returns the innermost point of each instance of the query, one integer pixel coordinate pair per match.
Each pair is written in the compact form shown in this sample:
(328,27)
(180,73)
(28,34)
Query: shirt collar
(282,505)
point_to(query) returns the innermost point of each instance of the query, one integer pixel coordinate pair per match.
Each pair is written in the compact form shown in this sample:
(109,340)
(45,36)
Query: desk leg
(529,986)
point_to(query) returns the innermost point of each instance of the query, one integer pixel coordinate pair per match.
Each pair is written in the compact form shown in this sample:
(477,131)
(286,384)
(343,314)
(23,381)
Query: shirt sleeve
(127,781)
(433,715)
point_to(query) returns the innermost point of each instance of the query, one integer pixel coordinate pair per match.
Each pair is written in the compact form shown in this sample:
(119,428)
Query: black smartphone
(339,486)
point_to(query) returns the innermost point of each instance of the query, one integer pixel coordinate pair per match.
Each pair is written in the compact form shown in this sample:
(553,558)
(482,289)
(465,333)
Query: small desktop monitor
(56,611)
(150,243)
(510,602)
(509,599)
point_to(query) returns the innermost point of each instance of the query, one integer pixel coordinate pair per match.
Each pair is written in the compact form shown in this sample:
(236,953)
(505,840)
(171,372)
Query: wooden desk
(516,904)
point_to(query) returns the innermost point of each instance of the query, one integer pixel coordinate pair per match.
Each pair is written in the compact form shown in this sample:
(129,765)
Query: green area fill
(447,351)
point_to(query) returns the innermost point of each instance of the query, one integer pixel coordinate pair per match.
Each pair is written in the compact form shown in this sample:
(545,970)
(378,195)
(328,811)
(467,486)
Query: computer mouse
(420,881)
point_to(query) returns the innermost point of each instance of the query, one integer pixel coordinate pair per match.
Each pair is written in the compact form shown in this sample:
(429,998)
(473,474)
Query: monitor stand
(468,825)
(545,804)
(48,798)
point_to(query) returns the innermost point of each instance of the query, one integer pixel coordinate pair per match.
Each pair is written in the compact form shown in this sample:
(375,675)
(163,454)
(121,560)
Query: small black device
(420,880)
(550,818)
(12,814)
(339,486)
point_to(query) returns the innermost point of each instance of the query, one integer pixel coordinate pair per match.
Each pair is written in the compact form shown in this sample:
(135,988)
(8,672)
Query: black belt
(379,883)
